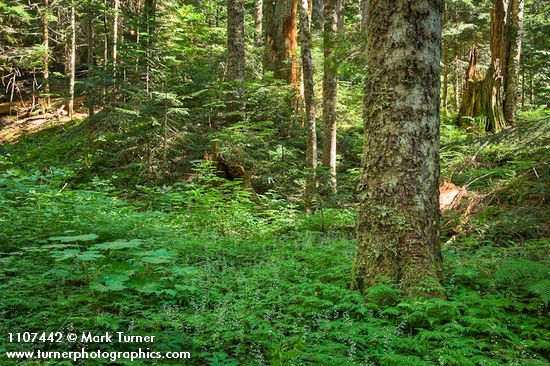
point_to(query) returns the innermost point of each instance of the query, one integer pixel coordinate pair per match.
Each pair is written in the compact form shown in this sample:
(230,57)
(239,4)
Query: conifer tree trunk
(258,20)
(115,36)
(235,41)
(90,60)
(281,40)
(522,88)
(73,61)
(458,77)
(149,10)
(105,48)
(46,39)
(514,35)
(364,14)
(330,89)
(309,101)
(445,82)
(317,7)
(531,88)
(399,188)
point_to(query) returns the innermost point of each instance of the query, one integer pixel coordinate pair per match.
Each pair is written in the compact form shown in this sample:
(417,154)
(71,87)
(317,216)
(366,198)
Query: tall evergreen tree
(46,42)
(399,188)
(309,101)
(281,40)
(514,34)
(72,59)
(235,41)
(332,9)
(258,22)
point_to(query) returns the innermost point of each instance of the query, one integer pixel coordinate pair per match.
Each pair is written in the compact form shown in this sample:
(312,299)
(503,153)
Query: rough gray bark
(258,19)
(330,90)
(317,7)
(281,40)
(309,101)
(235,41)
(399,196)
(514,35)
(73,61)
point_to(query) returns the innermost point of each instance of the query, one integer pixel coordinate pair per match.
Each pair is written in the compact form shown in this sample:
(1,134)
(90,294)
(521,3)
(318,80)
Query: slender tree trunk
(514,34)
(46,39)
(445,82)
(330,90)
(399,188)
(281,40)
(522,89)
(165,134)
(364,14)
(34,87)
(258,20)
(531,89)
(444,51)
(445,90)
(105,49)
(309,101)
(115,37)
(149,10)
(235,41)
(73,60)
(458,81)
(90,61)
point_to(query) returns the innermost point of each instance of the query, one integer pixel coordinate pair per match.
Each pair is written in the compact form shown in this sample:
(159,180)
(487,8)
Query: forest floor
(206,270)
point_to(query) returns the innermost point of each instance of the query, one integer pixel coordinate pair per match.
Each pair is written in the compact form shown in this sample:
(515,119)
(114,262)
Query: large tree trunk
(330,89)
(258,19)
(514,34)
(311,139)
(73,61)
(46,39)
(235,41)
(317,7)
(281,40)
(399,196)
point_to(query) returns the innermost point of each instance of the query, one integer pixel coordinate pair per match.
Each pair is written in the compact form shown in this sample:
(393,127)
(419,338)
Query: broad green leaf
(66,254)
(117,245)
(70,239)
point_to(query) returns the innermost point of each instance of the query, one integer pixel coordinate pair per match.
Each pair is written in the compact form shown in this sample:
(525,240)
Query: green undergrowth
(207,268)
(507,177)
